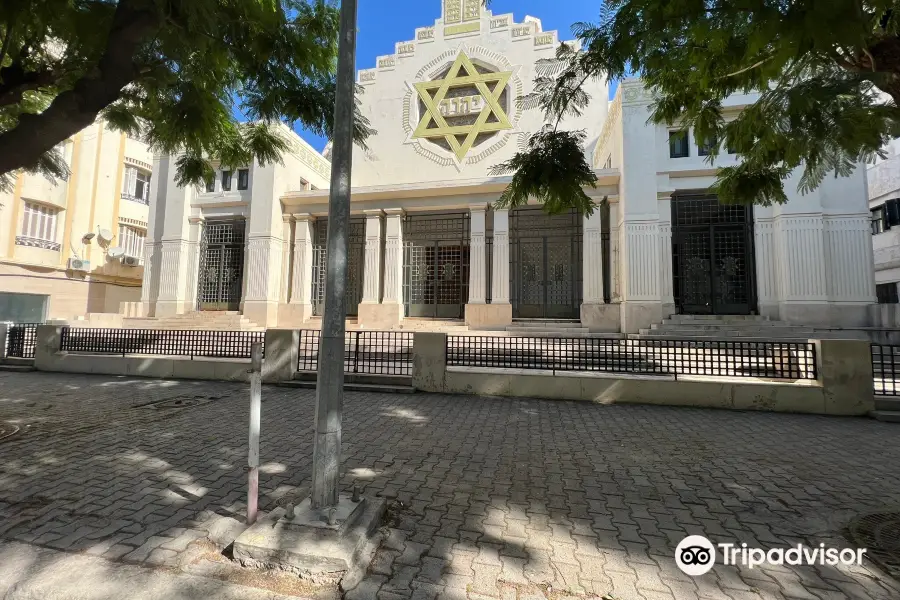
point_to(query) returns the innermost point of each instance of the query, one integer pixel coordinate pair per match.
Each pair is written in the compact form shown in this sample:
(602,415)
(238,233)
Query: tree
(828,74)
(172,71)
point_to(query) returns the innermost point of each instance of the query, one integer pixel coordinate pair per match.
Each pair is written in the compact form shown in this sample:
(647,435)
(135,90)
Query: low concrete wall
(844,386)
(47,357)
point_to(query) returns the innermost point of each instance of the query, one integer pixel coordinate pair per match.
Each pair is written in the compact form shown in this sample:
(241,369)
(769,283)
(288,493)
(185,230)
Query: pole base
(311,546)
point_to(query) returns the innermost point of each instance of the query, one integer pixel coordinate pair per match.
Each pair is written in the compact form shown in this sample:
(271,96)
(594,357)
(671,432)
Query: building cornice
(432,189)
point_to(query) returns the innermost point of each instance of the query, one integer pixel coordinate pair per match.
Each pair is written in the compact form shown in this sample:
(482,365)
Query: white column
(477,261)
(192,263)
(372,273)
(301,277)
(592,261)
(393,257)
(287,245)
(500,264)
(616,292)
(666,283)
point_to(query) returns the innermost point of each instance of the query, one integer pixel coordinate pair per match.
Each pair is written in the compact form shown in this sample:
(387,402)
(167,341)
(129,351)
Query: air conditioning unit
(131,261)
(77,264)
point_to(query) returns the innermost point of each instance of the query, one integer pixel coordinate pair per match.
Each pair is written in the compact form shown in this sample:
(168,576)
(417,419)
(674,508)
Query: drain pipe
(255,410)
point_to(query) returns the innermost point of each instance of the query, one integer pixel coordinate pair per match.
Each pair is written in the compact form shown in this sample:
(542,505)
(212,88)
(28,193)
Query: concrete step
(17,368)
(545,325)
(715,325)
(533,330)
(355,387)
(888,403)
(718,318)
(887,416)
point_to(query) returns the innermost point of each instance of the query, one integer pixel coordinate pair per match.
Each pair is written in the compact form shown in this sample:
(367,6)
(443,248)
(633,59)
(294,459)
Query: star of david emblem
(463,73)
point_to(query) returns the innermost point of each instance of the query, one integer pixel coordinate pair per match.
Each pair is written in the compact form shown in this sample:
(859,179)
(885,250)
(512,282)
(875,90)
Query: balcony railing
(22,240)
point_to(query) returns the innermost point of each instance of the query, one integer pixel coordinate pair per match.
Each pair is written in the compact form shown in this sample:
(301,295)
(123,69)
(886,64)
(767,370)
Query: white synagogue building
(425,242)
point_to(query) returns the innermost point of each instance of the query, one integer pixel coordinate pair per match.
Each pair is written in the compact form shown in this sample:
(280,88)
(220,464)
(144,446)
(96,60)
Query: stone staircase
(208,320)
(887,409)
(739,327)
(552,328)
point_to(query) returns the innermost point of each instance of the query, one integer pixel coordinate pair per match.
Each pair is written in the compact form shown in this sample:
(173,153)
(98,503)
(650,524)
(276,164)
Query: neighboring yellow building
(72,248)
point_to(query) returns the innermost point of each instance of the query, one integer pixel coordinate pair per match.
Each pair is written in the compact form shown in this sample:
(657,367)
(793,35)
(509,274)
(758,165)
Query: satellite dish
(105,235)
(116,252)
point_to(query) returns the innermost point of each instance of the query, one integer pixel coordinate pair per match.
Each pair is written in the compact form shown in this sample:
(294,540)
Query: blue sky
(382,24)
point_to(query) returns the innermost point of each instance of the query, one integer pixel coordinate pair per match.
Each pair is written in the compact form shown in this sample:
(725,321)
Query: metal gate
(355,262)
(436,265)
(221,273)
(545,264)
(713,256)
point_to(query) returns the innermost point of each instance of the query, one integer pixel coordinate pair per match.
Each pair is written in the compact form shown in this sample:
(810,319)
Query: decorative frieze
(462,28)
(386,62)
(521,32)
(544,39)
(499,23)
(425,34)
(367,76)
(406,48)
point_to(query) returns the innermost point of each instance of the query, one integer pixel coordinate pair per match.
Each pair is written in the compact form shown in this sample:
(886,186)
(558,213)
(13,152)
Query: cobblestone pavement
(491,498)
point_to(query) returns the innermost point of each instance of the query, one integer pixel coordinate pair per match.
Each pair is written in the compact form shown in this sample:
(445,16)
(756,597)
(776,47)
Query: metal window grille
(436,265)
(886,369)
(207,344)
(365,352)
(712,256)
(777,360)
(20,340)
(546,263)
(221,265)
(356,260)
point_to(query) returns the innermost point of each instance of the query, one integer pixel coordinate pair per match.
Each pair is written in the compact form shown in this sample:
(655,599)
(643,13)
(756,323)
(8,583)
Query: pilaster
(592,263)
(596,315)
(477,264)
(389,313)
(263,267)
(372,261)
(301,275)
(500,259)
(192,263)
(666,284)
(393,257)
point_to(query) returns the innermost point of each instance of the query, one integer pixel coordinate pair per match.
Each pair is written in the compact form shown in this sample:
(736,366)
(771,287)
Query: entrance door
(355,262)
(545,264)
(712,252)
(221,273)
(436,265)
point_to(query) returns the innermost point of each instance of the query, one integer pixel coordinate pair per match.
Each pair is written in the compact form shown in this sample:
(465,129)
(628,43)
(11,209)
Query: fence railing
(205,344)
(777,360)
(20,340)
(886,369)
(365,352)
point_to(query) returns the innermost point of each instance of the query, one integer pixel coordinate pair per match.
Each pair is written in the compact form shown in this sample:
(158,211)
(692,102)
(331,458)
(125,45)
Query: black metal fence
(20,340)
(365,352)
(886,369)
(777,360)
(205,344)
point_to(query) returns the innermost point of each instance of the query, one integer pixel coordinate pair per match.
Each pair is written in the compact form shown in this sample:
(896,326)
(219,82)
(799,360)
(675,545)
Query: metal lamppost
(330,379)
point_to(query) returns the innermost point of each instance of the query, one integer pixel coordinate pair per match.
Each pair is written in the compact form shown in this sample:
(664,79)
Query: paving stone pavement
(490,498)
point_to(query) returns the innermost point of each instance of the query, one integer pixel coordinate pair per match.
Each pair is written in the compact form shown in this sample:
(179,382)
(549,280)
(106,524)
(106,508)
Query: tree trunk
(73,110)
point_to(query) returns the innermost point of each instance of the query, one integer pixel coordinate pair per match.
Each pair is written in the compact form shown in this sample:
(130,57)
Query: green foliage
(195,62)
(827,74)
(548,171)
